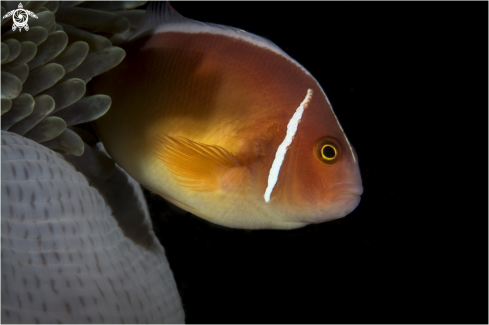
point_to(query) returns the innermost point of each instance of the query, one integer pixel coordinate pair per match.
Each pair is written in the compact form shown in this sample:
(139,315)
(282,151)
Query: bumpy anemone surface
(76,248)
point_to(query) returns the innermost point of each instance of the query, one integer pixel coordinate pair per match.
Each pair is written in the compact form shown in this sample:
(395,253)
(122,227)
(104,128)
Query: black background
(408,82)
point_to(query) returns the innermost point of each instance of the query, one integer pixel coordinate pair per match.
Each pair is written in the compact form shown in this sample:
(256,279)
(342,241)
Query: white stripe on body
(284,146)
(185,25)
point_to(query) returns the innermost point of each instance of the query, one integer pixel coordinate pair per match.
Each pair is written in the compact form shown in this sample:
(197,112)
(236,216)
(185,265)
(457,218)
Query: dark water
(415,250)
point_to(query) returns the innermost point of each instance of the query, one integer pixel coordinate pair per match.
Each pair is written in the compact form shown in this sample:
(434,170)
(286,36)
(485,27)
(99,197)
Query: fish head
(340,186)
(321,178)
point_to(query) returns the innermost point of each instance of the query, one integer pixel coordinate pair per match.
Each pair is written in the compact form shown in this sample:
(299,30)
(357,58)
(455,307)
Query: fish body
(227,126)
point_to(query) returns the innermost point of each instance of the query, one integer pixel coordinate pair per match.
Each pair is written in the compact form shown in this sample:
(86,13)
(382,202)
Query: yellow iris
(328,152)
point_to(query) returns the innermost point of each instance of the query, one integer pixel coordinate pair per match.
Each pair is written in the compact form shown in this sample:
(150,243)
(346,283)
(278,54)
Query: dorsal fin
(157,14)
(160,17)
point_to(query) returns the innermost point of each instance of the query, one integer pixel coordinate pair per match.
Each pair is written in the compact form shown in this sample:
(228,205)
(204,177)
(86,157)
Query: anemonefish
(227,126)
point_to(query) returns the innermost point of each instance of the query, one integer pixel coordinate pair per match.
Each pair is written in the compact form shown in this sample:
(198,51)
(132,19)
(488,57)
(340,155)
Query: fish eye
(327,150)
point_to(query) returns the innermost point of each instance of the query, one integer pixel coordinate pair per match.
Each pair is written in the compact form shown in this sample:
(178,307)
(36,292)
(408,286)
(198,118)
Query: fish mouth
(337,202)
(343,192)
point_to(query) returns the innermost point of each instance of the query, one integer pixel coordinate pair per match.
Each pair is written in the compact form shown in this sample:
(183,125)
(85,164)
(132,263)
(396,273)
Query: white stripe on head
(347,141)
(282,148)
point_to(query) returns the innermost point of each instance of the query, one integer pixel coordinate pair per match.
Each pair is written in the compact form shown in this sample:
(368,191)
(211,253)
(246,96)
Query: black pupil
(328,152)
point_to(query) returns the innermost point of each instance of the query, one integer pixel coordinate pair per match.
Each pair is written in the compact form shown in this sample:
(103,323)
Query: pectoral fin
(194,165)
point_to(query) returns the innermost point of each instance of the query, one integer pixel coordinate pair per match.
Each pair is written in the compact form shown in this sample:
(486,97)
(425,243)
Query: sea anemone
(77,241)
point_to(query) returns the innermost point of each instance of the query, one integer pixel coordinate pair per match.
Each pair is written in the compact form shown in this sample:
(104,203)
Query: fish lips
(342,192)
(337,202)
